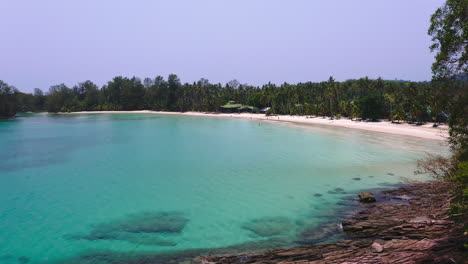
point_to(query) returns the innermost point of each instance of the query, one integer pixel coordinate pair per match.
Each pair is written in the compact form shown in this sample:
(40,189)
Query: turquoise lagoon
(93,188)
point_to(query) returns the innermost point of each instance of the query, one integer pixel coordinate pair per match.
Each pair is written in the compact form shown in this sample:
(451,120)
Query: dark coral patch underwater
(337,191)
(269,226)
(141,228)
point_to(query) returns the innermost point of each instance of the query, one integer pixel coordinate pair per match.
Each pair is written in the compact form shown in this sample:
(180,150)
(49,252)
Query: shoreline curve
(425,131)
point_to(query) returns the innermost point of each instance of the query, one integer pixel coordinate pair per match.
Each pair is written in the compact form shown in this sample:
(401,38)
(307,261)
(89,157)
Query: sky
(47,42)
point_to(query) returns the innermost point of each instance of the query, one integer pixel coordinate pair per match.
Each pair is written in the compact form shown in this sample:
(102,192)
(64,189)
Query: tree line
(363,98)
(449,32)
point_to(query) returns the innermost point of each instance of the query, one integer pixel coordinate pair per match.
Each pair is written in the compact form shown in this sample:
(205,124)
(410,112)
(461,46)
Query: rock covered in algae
(146,222)
(269,226)
(366,197)
(141,228)
(337,191)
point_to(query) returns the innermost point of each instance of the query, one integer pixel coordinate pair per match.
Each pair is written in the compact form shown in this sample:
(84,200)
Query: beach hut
(231,107)
(264,110)
(441,117)
(248,108)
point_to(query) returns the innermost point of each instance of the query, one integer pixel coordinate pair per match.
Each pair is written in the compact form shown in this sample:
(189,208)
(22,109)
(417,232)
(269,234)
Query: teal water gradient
(63,175)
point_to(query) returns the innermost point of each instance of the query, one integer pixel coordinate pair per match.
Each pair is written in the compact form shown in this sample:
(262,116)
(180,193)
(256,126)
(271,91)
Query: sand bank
(423,131)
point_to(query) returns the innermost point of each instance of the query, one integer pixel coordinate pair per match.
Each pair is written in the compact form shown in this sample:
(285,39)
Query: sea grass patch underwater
(270,226)
(175,184)
(337,191)
(136,238)
(275,232)
(146,222)
(139,228)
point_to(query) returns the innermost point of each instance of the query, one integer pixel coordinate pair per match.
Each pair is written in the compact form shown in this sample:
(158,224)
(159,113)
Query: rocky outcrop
(416,229)
(377,247)
(366,197)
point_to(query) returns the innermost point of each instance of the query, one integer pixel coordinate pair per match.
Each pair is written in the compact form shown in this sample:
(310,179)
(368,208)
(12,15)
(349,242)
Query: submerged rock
(269,226)
(136,238)
(318,195)
(326,232)
(366,197)
(337,191)
(387,232)
(146,222)
(142,228)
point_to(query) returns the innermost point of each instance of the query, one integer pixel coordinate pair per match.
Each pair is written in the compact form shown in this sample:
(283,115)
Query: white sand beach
(424,131)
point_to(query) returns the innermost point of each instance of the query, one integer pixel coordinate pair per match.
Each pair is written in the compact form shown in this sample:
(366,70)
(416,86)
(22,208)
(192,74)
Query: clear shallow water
(141,184)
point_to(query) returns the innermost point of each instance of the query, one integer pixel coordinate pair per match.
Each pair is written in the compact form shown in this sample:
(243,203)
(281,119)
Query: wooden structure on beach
(233,107)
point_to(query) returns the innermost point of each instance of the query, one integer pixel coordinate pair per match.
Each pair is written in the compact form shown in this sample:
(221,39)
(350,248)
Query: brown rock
(376,247)
(366,197)
(416,231)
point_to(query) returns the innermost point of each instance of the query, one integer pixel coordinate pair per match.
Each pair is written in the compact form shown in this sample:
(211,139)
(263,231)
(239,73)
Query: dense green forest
(8,100)
(364,98)
(449,32)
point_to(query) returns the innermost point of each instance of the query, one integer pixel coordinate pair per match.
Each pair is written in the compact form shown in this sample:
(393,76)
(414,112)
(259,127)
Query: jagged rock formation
(415,229)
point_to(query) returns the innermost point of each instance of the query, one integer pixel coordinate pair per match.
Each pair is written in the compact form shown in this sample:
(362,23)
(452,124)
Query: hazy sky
(47,42)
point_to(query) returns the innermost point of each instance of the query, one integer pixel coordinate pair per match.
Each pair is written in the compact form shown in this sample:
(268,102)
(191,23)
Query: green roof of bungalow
(231,106)
(248,107)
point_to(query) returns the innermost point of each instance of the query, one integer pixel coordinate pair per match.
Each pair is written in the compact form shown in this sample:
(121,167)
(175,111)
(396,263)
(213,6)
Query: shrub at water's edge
(449,32)
(8,103)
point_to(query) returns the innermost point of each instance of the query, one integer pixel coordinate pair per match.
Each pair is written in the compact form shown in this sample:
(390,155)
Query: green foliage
(173,83)
(39,100)
(366,98)
(461,173)
(60,98)
(460,178)
(132,93)
(88,93)
(459,124)
(372,106)
(449,31)
(8,100)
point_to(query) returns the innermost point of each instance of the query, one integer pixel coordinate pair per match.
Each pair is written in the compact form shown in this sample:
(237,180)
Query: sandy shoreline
(425,131)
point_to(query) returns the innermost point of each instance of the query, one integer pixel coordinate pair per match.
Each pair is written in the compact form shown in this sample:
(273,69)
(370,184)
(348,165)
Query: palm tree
(391,99)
